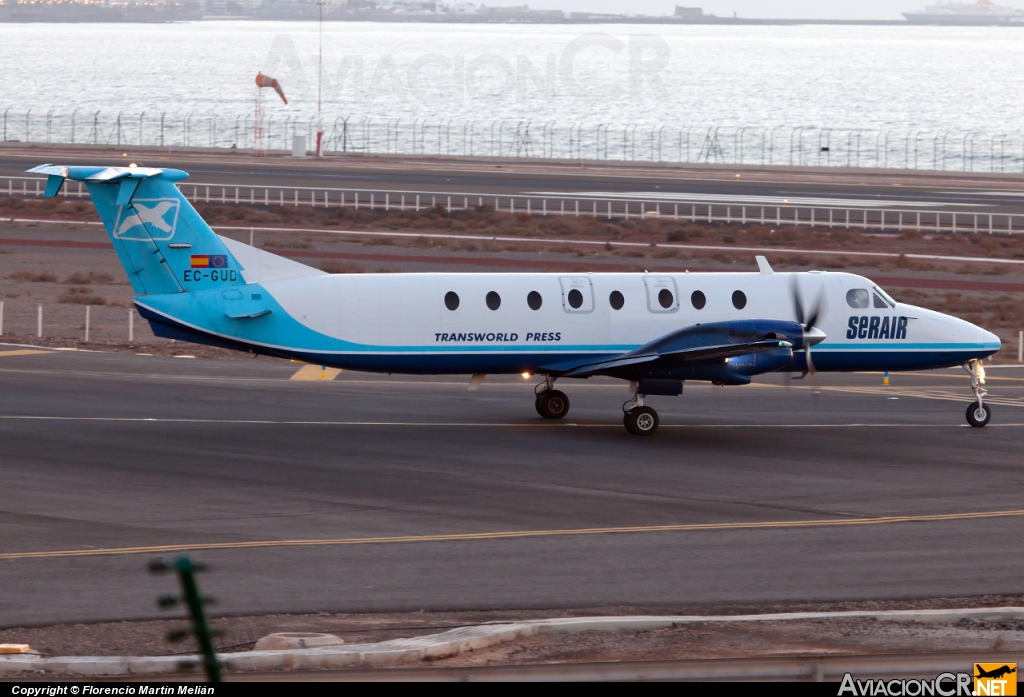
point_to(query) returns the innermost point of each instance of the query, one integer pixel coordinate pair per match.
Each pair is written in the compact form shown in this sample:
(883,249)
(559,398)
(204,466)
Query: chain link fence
(791,146)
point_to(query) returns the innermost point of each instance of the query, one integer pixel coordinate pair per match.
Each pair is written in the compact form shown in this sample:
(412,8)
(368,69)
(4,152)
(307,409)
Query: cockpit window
(858,298)
(885,296)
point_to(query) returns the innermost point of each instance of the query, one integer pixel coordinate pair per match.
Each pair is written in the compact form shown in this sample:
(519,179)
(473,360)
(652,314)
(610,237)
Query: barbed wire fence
(806,146)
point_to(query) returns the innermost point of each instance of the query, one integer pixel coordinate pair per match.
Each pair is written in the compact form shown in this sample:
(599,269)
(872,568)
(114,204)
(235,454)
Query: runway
(685,184)
(404,493)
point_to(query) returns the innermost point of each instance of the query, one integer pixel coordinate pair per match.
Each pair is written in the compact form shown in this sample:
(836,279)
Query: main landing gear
(638,419)
(551,403)
(978,413)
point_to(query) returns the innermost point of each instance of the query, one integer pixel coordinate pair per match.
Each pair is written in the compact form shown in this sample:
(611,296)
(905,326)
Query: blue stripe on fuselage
(508,359)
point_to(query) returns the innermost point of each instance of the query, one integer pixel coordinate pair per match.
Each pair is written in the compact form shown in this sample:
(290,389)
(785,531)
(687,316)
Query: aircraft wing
(673,358)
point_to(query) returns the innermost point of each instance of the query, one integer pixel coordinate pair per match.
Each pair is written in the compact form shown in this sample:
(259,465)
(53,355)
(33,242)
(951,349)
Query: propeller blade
(798,304)
(820,306)
(810,363)
(813,319)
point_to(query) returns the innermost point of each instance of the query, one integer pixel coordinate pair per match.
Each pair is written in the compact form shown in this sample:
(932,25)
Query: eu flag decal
(209,261)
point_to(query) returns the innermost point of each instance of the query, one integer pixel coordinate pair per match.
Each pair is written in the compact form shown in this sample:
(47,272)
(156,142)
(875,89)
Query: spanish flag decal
(209,261)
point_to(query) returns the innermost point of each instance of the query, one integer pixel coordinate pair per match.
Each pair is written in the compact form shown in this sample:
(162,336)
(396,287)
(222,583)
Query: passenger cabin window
(534,300)
(698,300)
(451,301)
(493,300)
(858,298)
(575,299)
(616,300)
(739,300)
(665,298)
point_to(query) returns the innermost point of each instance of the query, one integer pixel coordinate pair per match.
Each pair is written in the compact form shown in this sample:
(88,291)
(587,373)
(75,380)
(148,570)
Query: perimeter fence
(972,151)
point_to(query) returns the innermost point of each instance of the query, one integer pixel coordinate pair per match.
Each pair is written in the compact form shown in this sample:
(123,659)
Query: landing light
(526,376)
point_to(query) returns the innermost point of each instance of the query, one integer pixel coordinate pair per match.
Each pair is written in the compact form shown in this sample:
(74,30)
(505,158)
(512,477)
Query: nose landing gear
(551,403)
(978,413)
(638,419)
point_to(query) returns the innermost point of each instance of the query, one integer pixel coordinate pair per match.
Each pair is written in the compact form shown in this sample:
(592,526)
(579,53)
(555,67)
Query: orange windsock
(267,81)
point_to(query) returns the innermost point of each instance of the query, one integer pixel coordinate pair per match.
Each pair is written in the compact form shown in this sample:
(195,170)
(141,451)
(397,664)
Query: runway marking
(4,354)
(315,372)
(512,535)
(752,200)
(924,393)
(457,424)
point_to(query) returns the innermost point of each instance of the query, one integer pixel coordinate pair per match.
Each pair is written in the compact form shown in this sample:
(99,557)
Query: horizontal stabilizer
(128,176)
(114,173)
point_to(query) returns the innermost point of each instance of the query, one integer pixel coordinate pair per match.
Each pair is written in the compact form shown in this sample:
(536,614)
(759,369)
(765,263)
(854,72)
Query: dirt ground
(689,641)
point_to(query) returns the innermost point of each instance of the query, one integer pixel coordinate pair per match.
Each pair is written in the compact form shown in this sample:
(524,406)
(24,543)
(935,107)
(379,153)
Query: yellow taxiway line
(512,535)
(6,354)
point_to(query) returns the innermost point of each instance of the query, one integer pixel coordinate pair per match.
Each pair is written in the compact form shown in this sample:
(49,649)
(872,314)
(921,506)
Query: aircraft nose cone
(813,336)
(990,339)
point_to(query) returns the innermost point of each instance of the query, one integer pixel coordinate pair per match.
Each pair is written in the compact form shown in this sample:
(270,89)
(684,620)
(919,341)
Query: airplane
(652,330)
(995,673)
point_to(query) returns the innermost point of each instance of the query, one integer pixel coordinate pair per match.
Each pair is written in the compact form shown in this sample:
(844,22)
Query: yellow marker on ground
(14,648)
(26,352)
(315,372)
(885,378)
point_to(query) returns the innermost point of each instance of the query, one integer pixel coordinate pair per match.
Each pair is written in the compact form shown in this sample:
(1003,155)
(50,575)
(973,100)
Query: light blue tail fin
(163,243)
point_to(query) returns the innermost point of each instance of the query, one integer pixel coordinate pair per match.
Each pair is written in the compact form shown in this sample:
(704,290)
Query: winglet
(763,266)
(55,177)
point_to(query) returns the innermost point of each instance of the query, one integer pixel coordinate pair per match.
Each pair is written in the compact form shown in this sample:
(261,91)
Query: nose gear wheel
(978,413)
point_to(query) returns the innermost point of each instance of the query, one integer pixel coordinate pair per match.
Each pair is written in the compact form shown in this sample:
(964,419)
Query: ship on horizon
(980,13)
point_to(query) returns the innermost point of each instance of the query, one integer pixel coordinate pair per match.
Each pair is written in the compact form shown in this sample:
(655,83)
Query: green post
(186,574)
(190,594)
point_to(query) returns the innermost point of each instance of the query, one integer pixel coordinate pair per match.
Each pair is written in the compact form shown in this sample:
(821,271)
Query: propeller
(807,318)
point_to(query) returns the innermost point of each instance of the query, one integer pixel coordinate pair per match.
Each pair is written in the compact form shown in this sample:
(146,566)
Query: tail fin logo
(147,219)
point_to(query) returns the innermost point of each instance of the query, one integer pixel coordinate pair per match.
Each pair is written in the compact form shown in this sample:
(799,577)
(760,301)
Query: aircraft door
(577,294)
(662,294)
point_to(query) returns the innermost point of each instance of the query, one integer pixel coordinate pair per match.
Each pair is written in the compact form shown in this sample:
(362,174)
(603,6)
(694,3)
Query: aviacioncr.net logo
(147,219)
(995,679)
(943,685)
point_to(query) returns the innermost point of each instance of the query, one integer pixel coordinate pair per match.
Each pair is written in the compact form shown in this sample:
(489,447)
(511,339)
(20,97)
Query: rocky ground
(690,641)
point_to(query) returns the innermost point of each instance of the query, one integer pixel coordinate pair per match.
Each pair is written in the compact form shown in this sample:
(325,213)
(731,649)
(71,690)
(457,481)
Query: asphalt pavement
(817,187)
(403,493)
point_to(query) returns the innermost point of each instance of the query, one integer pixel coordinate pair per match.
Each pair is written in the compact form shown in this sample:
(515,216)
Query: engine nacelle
(738,369)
